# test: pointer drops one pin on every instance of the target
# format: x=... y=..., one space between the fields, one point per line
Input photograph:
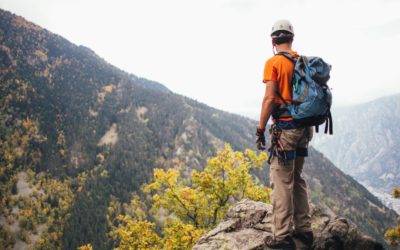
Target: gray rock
x=244 y=228
x=247 y=224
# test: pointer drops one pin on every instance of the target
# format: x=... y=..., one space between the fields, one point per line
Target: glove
x=260 y=138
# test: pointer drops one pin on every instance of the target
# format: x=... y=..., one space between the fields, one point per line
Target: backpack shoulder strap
x=293 y=60
x=281 y=97
x=288 y=56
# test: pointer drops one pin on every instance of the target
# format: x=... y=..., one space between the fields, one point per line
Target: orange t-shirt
x=280 y=70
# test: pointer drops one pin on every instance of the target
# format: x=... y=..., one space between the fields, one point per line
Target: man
x=289 y=143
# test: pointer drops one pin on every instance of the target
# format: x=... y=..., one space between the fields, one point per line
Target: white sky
x=214 y=50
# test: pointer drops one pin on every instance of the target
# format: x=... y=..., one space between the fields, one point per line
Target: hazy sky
x=214 y=50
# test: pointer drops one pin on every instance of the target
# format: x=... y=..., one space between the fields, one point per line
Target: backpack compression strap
x=328 y=124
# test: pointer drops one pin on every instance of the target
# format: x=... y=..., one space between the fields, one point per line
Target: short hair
x=282 y=36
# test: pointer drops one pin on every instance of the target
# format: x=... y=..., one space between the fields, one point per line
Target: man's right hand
x=260 y=138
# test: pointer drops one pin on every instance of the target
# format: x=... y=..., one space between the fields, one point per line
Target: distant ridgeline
x=367 y=149
x=78 y=138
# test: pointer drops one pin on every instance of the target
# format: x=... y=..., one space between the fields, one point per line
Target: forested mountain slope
x=78 y=136
x=366 y=141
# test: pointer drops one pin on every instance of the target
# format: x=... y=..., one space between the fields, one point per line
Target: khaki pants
x=289 y=190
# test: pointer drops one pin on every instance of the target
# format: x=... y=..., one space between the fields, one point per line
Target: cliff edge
x=247 y=224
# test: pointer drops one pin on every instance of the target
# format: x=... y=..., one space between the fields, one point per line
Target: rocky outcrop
x=247 y=224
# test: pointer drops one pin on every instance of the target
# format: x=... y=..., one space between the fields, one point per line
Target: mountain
x=365 y=142
x=79 y=137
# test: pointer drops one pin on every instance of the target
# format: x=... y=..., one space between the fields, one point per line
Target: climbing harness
x=276 y=148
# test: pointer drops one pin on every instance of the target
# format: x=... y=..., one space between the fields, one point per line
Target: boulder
x=247 y=224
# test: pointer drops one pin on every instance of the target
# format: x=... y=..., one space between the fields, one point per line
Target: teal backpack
x=311 y=96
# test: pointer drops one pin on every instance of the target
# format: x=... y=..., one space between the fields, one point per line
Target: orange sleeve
x=270 y=73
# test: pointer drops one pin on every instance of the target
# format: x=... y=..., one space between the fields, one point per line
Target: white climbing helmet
x=282 y=25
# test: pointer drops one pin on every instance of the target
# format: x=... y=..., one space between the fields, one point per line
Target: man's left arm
x=267 y=107
x=268 y=103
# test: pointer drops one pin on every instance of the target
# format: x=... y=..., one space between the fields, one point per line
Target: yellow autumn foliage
x=178 y=235
x=393 y=234
x=196 y=208
x=100 y=158
x=86 y=247
x=224 y=180
x=27 y=123
x=137 y=235
x=396 y=192
x=108 y=88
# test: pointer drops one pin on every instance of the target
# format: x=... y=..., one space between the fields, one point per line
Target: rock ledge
x=246 y=226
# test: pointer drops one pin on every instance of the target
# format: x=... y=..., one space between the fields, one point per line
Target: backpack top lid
x=314 y=67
